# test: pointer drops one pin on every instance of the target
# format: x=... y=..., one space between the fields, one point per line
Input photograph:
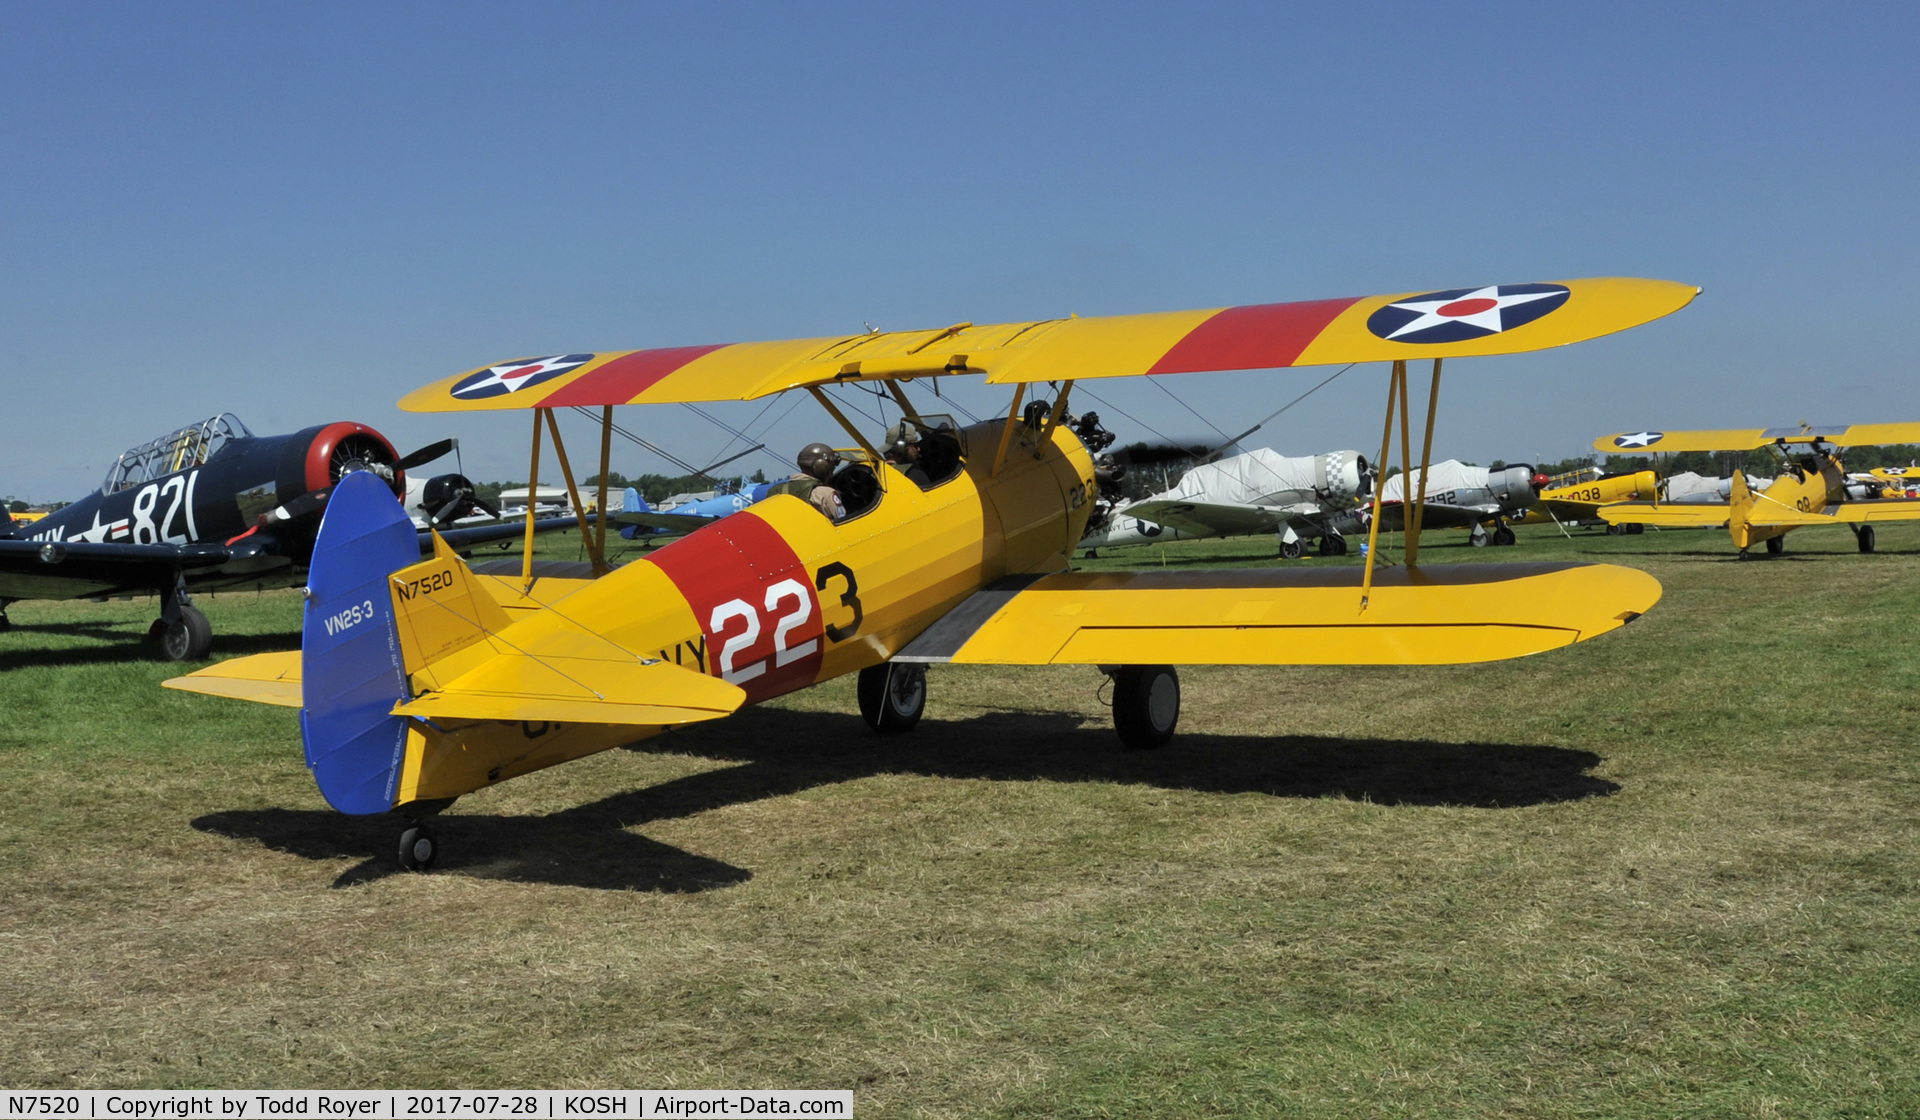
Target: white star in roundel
x=1478 y=308
x=509 y=377
x=1637 y=439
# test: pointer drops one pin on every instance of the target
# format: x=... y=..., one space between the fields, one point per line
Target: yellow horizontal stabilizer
x=1453 y=323
x=1746 y=439
x=515 y=686
x=1710 y=515
x=264 y=678
x=1446 y=614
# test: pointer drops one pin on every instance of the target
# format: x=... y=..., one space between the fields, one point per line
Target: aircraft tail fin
x=634 y=503
x=440 y=608
x=351 y=667
x=1739 y=501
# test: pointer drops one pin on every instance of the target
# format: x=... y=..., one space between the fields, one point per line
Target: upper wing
x=1746 y=439
x=1460 y=322
x=1445 y=614
x=1207 y=519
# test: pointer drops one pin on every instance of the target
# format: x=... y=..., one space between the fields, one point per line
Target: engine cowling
x=1513 y=486
x=1342 y=479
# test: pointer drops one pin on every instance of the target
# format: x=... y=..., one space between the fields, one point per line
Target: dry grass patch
x=1671 y=871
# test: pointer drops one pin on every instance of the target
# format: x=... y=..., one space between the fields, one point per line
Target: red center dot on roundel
x=516 y=374
x=1461 y=307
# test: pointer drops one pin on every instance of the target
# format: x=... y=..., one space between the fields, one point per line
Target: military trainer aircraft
x=1300 y=498
x=420 y=682
x=1575 y=498
x=639 y=520
x=207 y=507
x=1811 y=489
x=1462 y=497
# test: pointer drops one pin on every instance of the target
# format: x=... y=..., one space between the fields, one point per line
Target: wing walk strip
x=938 y=643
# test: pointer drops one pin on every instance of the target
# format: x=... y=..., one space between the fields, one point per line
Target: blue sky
x=297 y=213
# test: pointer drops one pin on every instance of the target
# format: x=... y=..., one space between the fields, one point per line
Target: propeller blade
x=427 y=454
x=446 y=513
x=487 y=507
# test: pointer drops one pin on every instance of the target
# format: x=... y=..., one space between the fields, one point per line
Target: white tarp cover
x=1447 y=474
x=1699 y=488
x=1244 y=479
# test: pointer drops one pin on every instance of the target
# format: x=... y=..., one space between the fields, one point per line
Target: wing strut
x=1394 y=385
x=533 y=487
x=1426 y=454
x=1006 y=433
x=606 y=453
x=835 y=412
x=573 y=492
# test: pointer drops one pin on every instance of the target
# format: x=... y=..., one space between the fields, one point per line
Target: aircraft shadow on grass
x=122 y=644
x=779 y=753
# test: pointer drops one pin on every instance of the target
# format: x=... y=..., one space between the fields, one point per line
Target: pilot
x=903 y=451
x=817 y=461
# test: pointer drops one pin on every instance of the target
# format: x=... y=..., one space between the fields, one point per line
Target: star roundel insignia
x=511 y=377
x=1638 y=439
x=1463 y=313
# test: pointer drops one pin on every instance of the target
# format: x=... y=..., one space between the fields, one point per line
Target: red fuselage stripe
x=625 y=378
x=1257 y=336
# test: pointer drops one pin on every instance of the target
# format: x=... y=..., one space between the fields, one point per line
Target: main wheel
x=1503 y=536
x=1291 y=550
x=1333 y=545
x=892 y=696
x=1146 y=705
x=189 y=639
x=1478 y=539
x=417 y=848
x=1776 y=545
x=1635 y=528
x=1614 y=529
x=1865 y=537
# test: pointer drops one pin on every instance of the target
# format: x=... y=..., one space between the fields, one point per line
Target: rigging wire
x=1161 y=385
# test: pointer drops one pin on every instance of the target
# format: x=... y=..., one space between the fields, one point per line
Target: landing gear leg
x=1290 y=546
x=183 y=632
x=893 y=696
x=1146 y=704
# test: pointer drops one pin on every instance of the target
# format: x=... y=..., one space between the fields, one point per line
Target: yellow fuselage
x=777 y=597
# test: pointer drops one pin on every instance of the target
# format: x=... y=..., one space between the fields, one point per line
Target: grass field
x=1670 y=872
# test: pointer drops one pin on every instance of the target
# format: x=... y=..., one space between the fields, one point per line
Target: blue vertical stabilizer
x=350 y=667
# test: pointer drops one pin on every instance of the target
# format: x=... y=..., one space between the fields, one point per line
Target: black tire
x=893 y=696
x=1479 y=540
x=1865 y=537
x=189 y=639
x=1614 y=529
x=1333 y=545
x=1776 y=545
x=1146 y=705
x=1634 y=529
x=418 y=848
x=6 y=623
x=1291 y=550
x=1503 y=536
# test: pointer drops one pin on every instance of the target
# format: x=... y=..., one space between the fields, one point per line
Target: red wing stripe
x=626 y=377
x=1257 y=336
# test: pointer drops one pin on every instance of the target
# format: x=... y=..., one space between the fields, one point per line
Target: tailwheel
x=1503 y=536
x=417 y=848
x=1865 y=536
x=1146 y=705
x=1291 y=550
x=190 y=638
x=892 y=696
x=1776 y=545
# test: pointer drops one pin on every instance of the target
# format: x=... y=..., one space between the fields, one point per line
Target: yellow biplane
x=1575 y=498
x=1811 y=488
x=422 y=681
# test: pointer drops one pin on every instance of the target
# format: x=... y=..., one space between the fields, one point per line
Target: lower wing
x=1434 y=515
x=1838 y=513
x=81 y=569
x=1669 y=514
x=1446 y=614
x=1209 y=519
